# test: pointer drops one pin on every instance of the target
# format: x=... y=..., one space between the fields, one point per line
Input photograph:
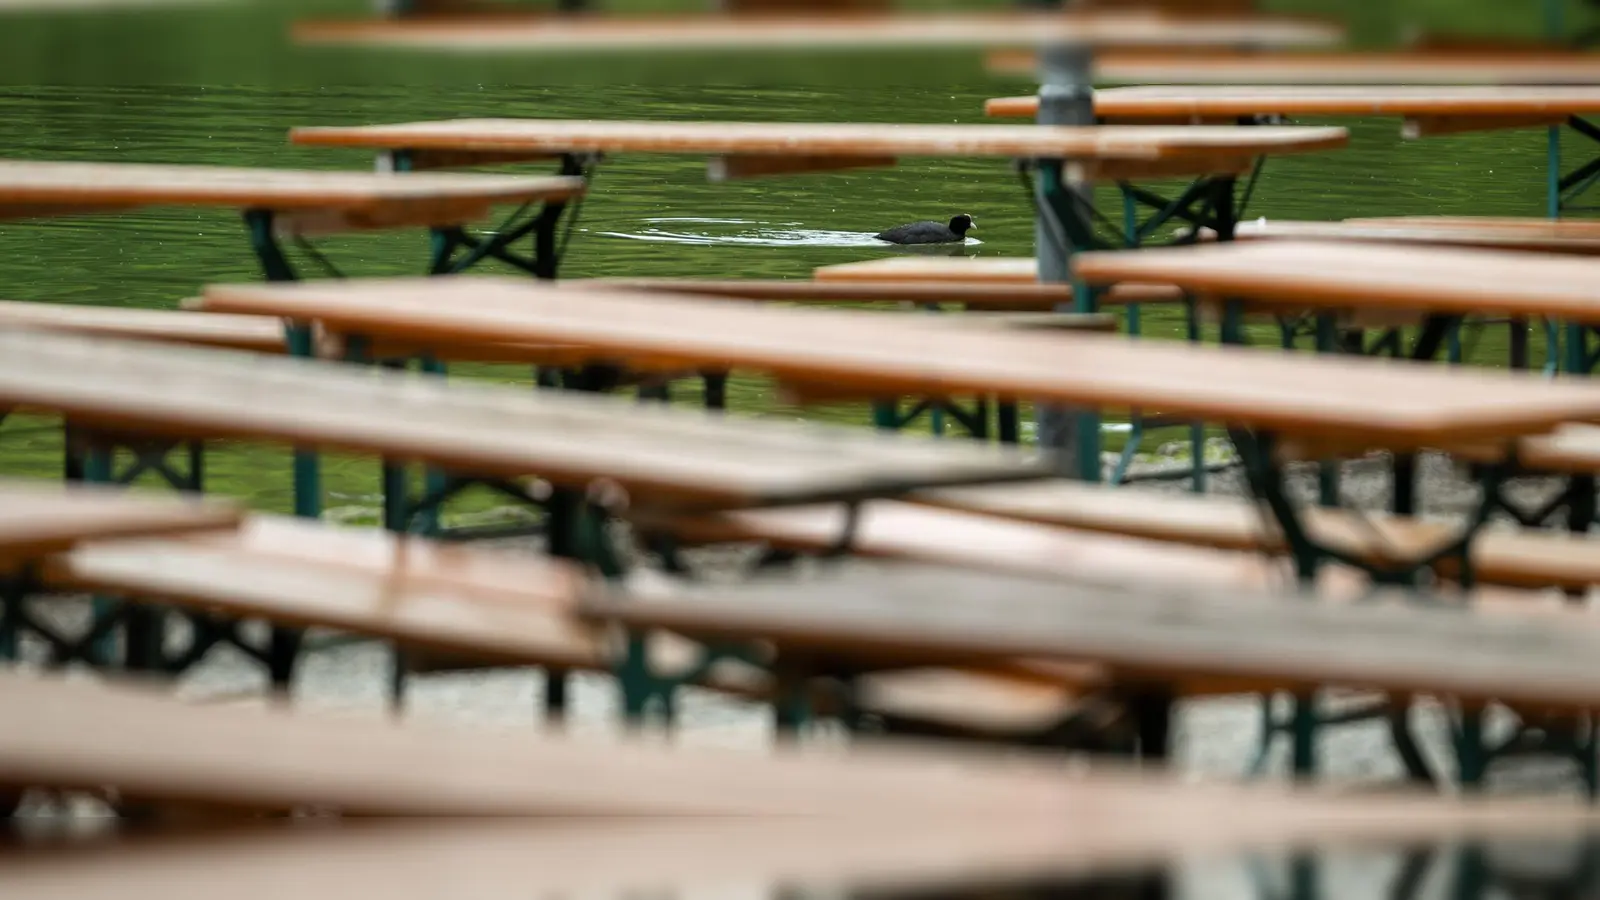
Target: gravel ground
x=1213 y=737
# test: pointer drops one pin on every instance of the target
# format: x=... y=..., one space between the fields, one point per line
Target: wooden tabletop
x=681 y=33
x=785 y=139
x=699 y=859
x=1558 y=236
x=1394 y=403
x=37 y=189
x=486 y=608
x=656 y=455
x=914 y=613
x=1350 y=275
x=1167 y=103
x=255 y=333
x=39 y=519
x=1371 y=68
x=149 y=745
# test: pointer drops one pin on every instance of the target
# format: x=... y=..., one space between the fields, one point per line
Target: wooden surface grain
x=1207 y=101
x=824 y=139
x=41 y=518
x=928 y=613
x=1408 y=67
x=30 y=189
x=1366 y=275
x=1393 y=403
x=653 y=455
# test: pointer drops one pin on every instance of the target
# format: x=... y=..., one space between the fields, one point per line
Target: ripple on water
x=750 y=233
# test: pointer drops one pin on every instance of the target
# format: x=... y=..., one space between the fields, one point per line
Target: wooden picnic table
x=1547 y=235
x=281 y=202
x=40 y=519
x=1326 y=397
x=654 y=455
x=1411 y=67
x=1124 y=849
x=861 y=30
x=1441 y=283
x=749 y=149
x=1427 y=110
x=152 y=747
x=1345 y=401
x=929 y=614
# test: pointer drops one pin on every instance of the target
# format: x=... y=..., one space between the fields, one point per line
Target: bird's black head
x=960 y=224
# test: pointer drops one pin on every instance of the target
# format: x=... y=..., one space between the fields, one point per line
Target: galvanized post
x=1066 y=97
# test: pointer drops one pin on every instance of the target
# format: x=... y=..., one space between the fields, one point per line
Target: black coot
x=929 y=232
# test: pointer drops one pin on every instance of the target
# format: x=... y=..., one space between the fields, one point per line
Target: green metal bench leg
x=1472 y=755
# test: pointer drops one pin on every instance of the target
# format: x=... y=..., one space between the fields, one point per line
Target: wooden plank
x=367 y=199
x=961 y=274
x=489 y=609
x=774 y=31
x=1318 y=68
x=1526 y=225
x=39 y=519
x=1401 y=405
x=1561 y=236
x=651 y=454
x=1349 y=275
x=1435 y=126
x=1519 y=558
x=829 y=139
x=1494 y=107
x=148 y=745
x=1133 y=826
x=901 y=611
x=1021 y=296
x=260 y=334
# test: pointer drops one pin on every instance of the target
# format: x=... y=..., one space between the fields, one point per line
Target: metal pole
x=1066 y=97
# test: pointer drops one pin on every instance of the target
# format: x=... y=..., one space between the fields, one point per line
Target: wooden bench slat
x=1532 y=559
x=654 y=454
x=29 y=181
x=1350 y=275
x=1501 y=234
x=1317 y=68
x=835 y=139
x=37 y=519
x=901 y=611
x=964 y=274
x=774 y=31
x=1400 y=405
x=1495 y=107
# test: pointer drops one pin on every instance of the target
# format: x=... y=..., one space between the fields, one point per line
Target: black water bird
x=929 y=232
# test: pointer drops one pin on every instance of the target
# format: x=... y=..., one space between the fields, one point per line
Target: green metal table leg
x=1472 y=756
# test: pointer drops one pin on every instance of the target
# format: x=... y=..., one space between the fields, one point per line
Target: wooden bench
x=1426 y=110
x=1542 y=235
x=931 y=614
x=693 y=821
x=305 y=202
x=774 y=30
x=257 y=334
x=1290 y=276
x=452 y=608
x=1319 y=68
x=38 y=519
x=757 y=149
